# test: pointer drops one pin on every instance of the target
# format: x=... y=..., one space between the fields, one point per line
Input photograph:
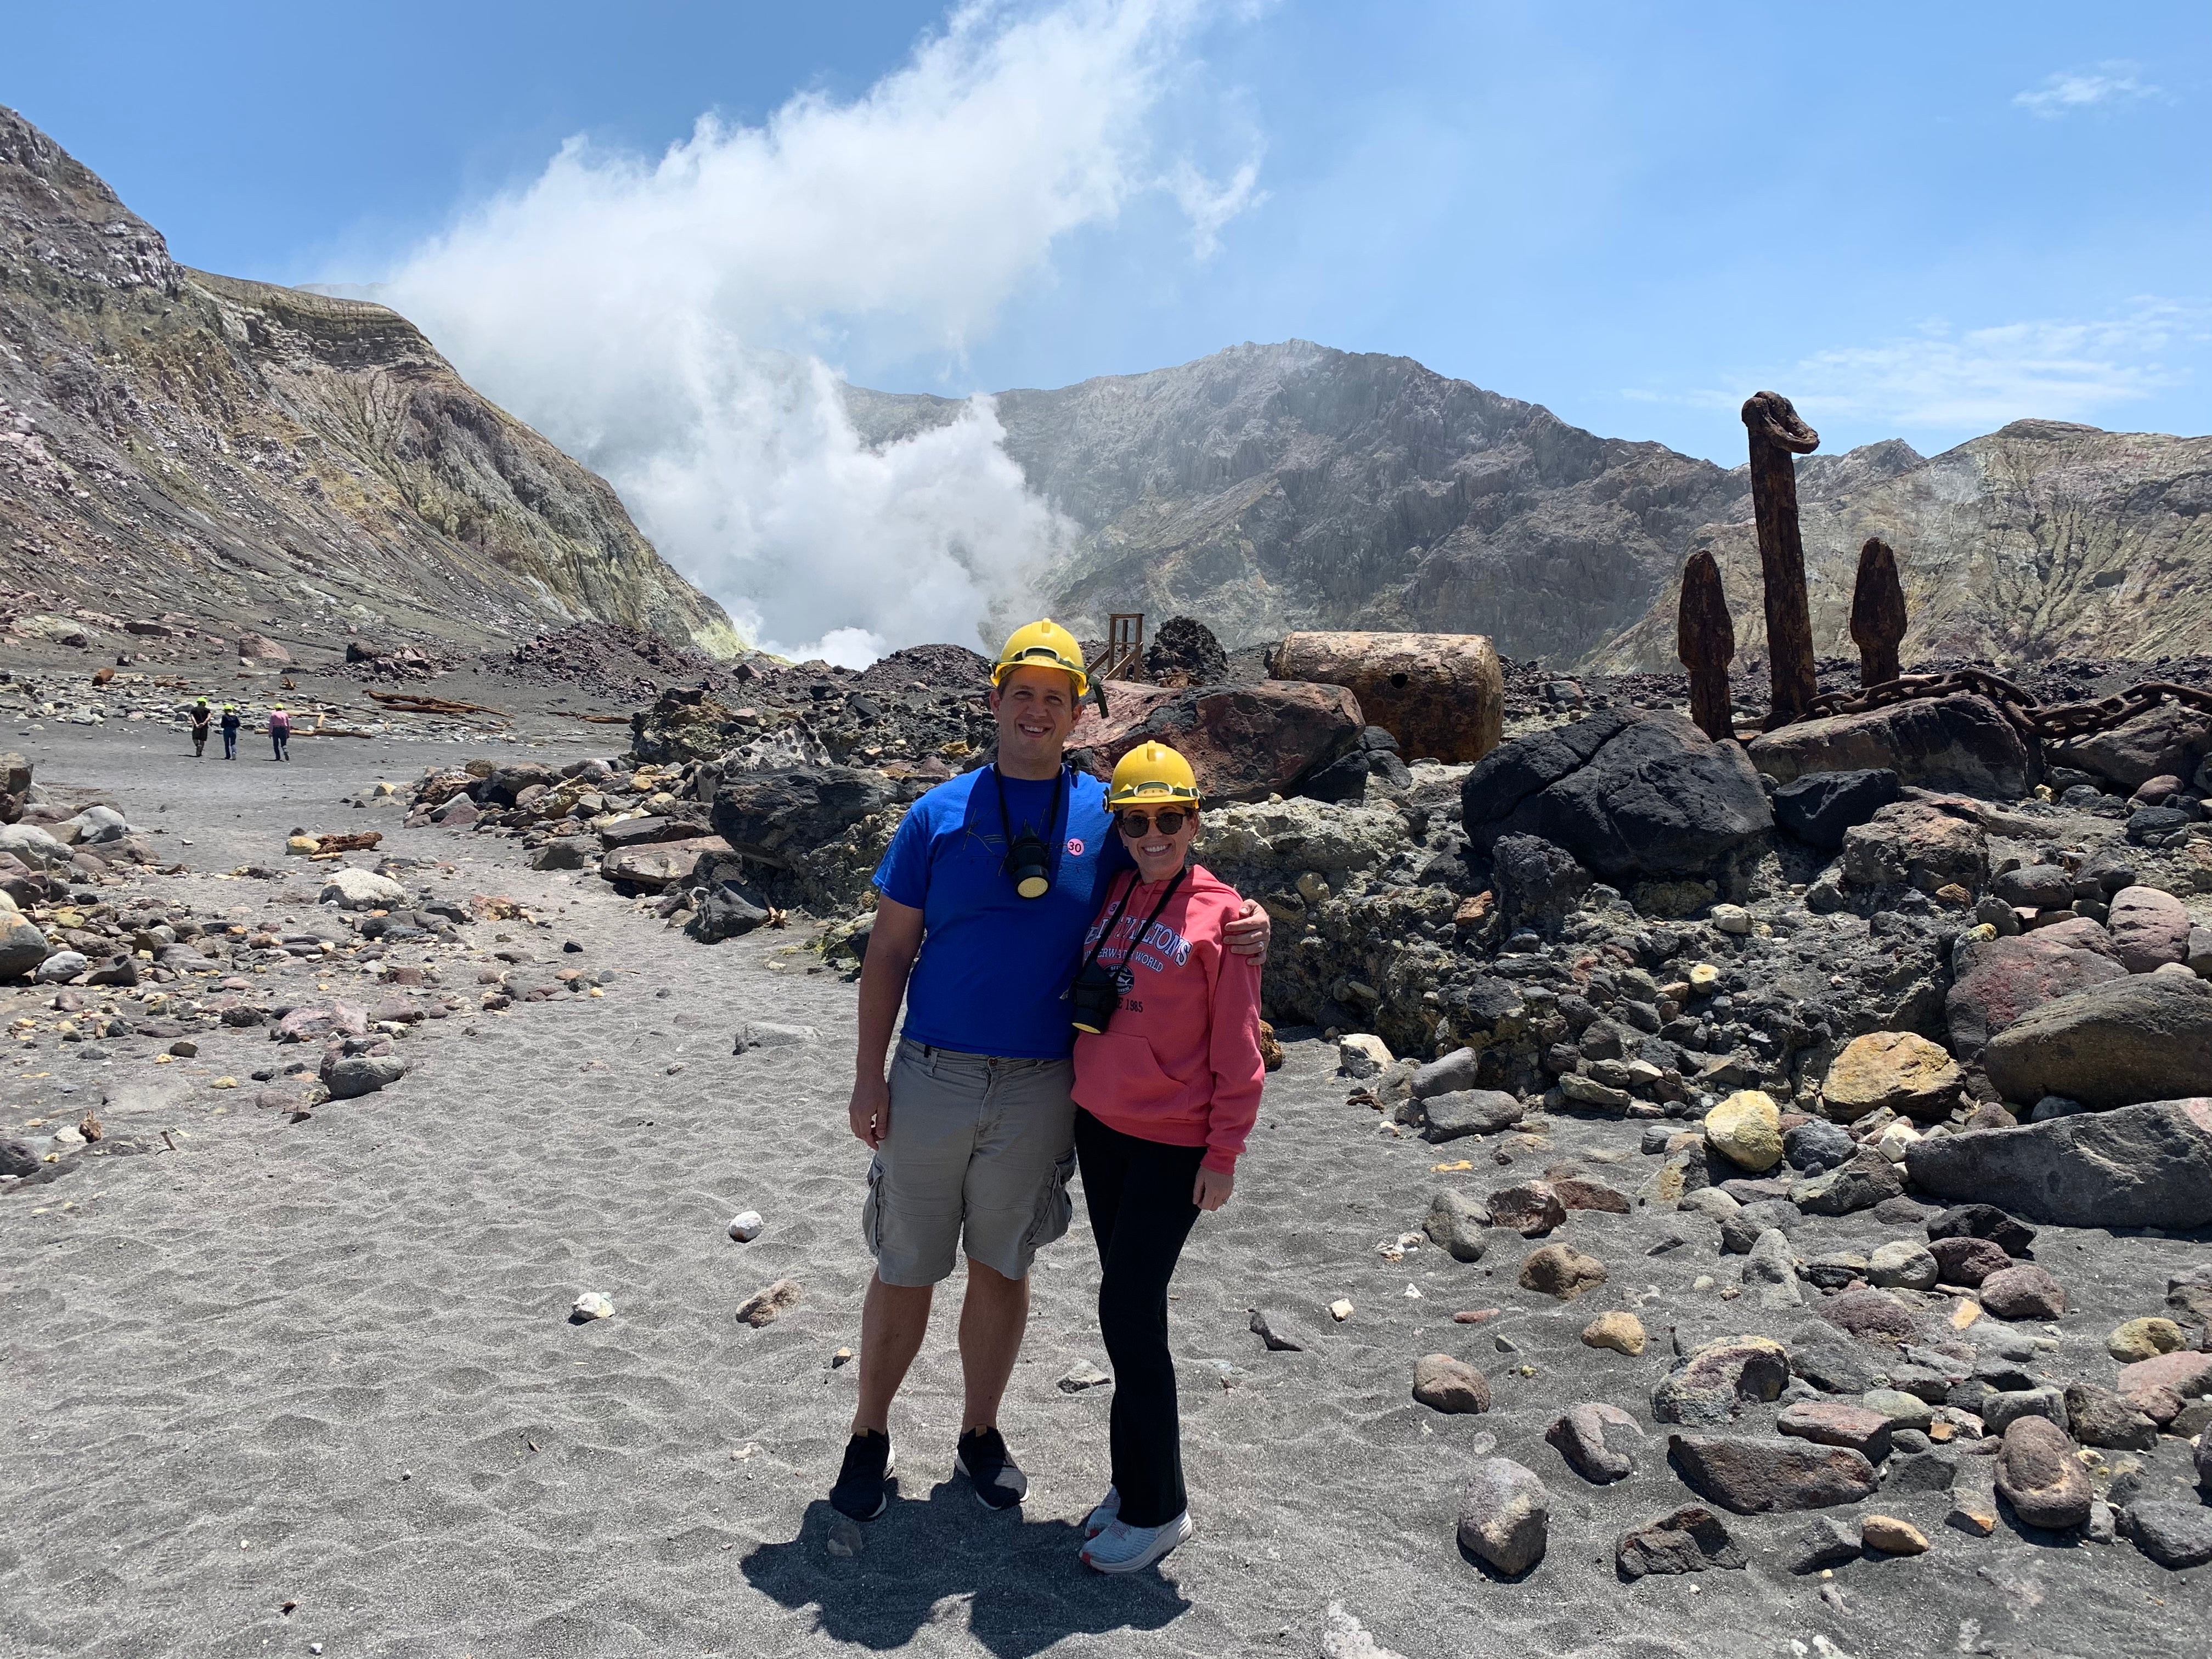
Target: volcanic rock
x=1926 y=844
x=2001 y=980
x=2038 y=1475
x=1447 y=1384
x=1455 y=1224
x=1960 y=742
x=1756 y=1474
x=1441 y=695
x=1690 y=1539
x=2149 y=928
x=778 y=816
x=1819 y=808
x=1245 y=743
x=2146 y=1038
x=1600 y=1442
x=1627 y=793
x=2147 y=1165
x=1715 y=1382
x=1899 y=1070
x=1561 y=1270
x=1504 y=1515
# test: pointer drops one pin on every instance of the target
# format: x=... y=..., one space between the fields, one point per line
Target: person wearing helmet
x=1167 y=1086
x=230 y=724
x=280 y=733
x=200 y=715
x=983 y=900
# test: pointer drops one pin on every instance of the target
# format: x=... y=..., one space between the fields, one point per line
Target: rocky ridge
x=240 y=457
x=1275 y=488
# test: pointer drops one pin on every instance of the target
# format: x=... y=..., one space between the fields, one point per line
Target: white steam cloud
x=666 y=322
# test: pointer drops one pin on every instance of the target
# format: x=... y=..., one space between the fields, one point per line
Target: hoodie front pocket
x=1118 y=1071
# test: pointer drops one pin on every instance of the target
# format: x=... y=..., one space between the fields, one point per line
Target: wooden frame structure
x=1123 y=658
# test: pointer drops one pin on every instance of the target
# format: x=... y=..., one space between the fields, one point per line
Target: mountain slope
x=172 y=440
x=1272 y=487
x=2041 y=539
x=1268 y=488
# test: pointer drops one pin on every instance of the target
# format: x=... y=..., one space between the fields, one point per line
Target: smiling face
x=1158 y=855
x=1036 y=711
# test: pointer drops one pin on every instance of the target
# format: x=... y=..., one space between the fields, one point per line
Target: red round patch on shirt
x=1075 y=847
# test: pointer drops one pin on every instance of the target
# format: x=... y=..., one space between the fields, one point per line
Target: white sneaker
x=1108 y=1512
x=1123 y=1548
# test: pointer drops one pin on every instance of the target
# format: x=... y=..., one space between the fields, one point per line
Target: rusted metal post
x=1776 y=434
x=1704 y=639
x=1877 y=612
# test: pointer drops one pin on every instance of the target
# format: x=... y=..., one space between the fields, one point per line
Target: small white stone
x=1340 y=1309
x=593 y=1305
x=1731 y=917
x=747 y=1226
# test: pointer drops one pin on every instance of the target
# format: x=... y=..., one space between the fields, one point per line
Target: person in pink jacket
x=1167 y=1086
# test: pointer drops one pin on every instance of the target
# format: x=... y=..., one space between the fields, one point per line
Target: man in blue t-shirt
x=982 y=901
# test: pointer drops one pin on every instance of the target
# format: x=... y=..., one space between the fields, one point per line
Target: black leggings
x=1138 y=1193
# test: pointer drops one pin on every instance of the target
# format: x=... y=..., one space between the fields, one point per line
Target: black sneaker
x=860 y=1489
x=982 y=1457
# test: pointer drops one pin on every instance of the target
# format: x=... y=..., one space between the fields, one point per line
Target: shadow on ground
x=1023 y=1586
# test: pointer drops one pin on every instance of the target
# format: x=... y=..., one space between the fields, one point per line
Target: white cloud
x=667 y=321
x=2118 y=82
x=1944 y=379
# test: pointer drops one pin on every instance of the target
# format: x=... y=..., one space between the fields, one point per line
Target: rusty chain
x=2030 y=717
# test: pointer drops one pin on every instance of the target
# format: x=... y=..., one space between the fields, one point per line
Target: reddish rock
x=2023 y=1290
x=1245 y=743
x=1529 y=1209
x=1833 y=1423
x=1561 y=1270
x=2149 y=928
x=2187 y=1374
x=2040 y=1476
x=1967 y=1261
x=1577 y=1193
x=1756 y=1476
x=1443 y=1383
x=1442 y=696
x=2003 y=979
x=1872 y=1316
x=1715 y=1382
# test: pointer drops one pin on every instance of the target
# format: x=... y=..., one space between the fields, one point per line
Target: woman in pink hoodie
x=1167 y=1086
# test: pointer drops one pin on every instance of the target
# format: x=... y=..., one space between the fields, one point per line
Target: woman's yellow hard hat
x=1151 y=772
x=1042 y=645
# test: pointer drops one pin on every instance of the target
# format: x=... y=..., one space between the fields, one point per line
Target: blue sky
x=1628 y=213
x=1918 y=221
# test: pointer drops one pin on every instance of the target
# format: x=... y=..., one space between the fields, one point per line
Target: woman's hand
x=1212 y=1188
x=1248 y=935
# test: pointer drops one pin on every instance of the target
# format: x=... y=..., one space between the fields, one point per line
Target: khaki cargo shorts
x=979 y=1155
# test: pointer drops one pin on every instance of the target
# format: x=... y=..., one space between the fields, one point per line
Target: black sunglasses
x=1133 y=823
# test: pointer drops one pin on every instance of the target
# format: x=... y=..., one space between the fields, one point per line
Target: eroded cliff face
x=172 y=440
x=1269 y=488
x=2041 y=539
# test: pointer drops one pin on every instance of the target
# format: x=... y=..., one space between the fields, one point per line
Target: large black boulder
x=779 y=817
x=1628 y=793
x=1819 y=806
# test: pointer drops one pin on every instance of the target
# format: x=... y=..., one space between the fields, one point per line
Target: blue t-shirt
x=994 y=968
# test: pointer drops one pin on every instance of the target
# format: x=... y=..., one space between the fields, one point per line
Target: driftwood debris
x=1706 y=640
x=1777 y=435
x=604 y=719
x=1877 y=612
x=409 y=702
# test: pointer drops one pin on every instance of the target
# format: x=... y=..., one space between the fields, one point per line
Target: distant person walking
x=230 y=731
x=201 y=714
x=1167 y=1086
x=280 y=733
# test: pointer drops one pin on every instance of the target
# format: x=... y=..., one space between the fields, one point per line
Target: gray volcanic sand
x=329 y=1363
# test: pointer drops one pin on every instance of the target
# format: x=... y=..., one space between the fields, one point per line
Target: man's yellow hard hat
x=1042 y=645
x=1151 y=772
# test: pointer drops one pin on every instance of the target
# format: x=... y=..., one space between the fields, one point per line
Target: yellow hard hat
x=1042 y=645
x=1151 y=772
